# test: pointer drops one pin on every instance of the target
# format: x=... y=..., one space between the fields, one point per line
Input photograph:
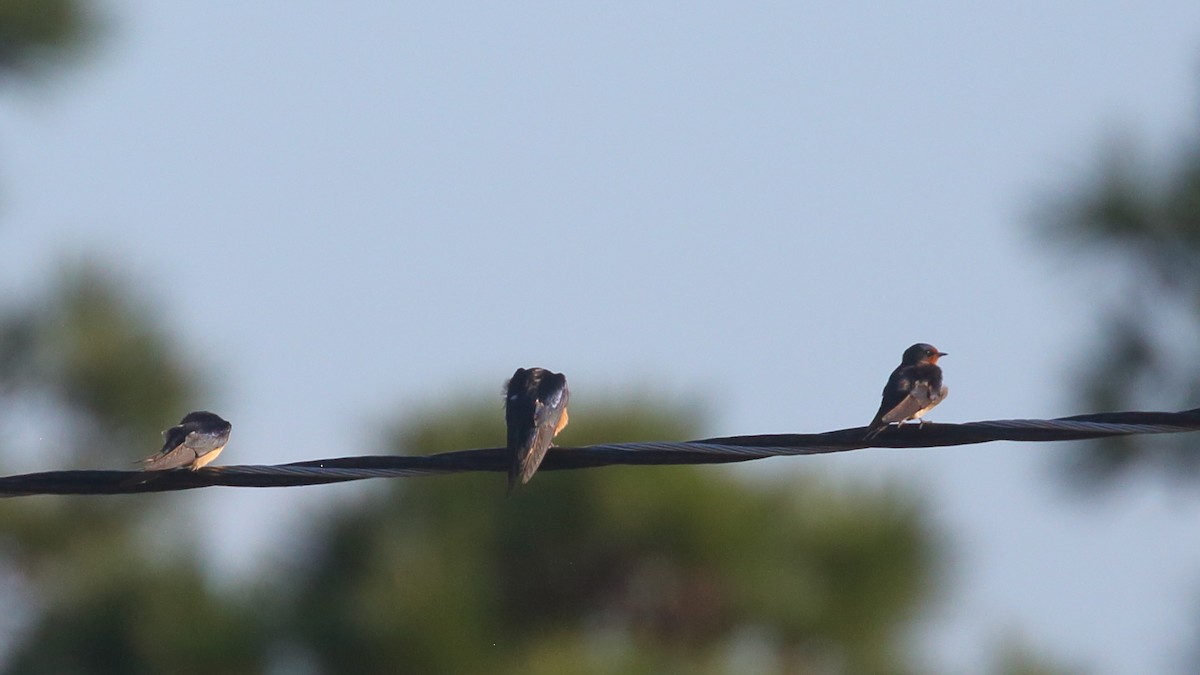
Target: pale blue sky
x=756 y=207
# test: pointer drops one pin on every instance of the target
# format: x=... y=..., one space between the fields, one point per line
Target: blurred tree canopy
x=1140 y=222
x=667 y=570
x=37 y=33
x=1138 y=219
x=84 y=592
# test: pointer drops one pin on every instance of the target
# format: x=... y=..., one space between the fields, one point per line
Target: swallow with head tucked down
x=193 y=443
x=914 y=388
x=535 y=409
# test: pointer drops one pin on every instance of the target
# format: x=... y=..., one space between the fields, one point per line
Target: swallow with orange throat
x=193 y=443
x=914 y=388
x=535 y=409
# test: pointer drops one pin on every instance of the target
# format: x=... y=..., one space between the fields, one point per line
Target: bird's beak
x=941 y=354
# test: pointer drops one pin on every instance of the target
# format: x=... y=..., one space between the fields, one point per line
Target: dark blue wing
x=197 y=436
x=535 y=410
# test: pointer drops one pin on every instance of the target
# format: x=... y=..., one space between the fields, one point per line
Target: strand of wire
x=706 y=451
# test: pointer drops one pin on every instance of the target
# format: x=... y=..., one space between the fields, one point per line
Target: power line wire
x=706 y=451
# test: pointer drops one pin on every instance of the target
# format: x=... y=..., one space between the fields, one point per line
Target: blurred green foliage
x=105 y=361
x=1138 y=220
x=36 y=33
x=124 y=614
x=1140 y=223
x=617 y=570
x=83 y=581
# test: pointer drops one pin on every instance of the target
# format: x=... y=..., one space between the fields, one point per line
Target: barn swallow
x=535 y=409
x=913 y=389
x=194 y=442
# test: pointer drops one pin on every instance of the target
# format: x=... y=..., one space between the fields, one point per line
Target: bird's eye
x=928 y=352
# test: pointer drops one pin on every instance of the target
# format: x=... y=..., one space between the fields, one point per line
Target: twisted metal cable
x=707 y=451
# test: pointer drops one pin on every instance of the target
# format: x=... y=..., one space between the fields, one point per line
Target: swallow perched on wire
x=194 y=442
x=914 y=388
x=535 y=409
